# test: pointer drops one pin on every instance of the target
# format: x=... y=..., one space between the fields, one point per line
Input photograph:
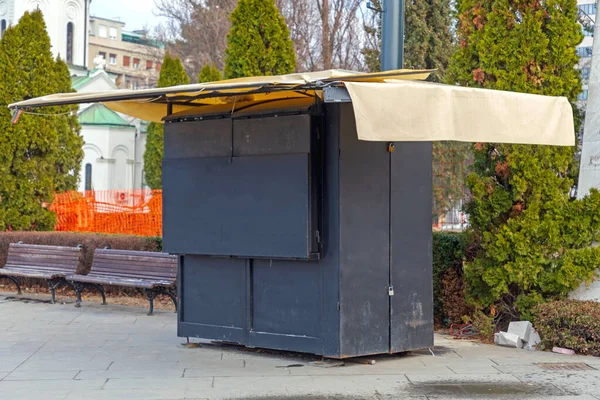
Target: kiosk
x=300 y=205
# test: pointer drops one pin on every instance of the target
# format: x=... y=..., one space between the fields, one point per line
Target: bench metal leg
x=52 y=285
x=14 y=280
x=172 y=295
x=79 y=286
x=150 y=294
x=100 y=288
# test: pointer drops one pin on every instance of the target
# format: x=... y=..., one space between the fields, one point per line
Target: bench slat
x=41 y=261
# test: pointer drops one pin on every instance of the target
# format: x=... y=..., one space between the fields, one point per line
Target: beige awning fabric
x=151 y=104
x=422 y=111
x=391 y=106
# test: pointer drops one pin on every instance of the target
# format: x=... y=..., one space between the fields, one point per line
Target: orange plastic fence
x=131 y=212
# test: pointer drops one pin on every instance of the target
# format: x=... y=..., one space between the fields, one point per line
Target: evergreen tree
x=209 y=73
x=259 y=41
x=428 y=42
x=39 y=154
x=172 y=73
x=530 y=241
x=70 y=142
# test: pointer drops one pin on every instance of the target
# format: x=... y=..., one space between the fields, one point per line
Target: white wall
x=109 y=150
x=57 y=13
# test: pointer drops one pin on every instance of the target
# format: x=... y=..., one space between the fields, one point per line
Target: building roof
x=138 y=37
x=107 y=19
x=79 y=81
x=99 y=114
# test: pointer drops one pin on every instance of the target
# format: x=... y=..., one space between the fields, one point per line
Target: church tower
x=66 y=21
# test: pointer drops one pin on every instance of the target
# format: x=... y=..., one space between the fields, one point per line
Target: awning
x=389 y=106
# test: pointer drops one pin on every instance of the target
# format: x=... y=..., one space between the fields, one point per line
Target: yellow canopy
x=388 y=106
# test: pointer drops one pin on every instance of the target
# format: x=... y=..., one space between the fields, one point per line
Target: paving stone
x=132 y=373
x=51 y=385
x=40 y=375
x=58 y=365
x=137 y=394
x=158 y=383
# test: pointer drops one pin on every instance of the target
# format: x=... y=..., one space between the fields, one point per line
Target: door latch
x=391 y=290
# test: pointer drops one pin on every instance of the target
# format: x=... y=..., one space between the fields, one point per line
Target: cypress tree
x=259 y=41
x=428 y=42
x=172 y=73
x=40 y=154
x=530 y=241
x=209 y=73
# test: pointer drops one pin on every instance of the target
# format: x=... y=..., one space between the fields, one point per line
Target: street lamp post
x=392 y=49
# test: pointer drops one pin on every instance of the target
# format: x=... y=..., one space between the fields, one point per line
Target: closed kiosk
x=295 y=235
x=300 y=205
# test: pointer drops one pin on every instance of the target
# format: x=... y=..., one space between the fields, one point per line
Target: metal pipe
x=392 y=47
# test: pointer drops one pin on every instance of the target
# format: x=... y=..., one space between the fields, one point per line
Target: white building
x=66 y=21
x=114 y=143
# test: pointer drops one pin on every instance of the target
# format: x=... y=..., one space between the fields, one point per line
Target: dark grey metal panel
x=212 y=298
x=286 y=305
x=364 y=241
x=330 y=267
x=246 y=207
x=209 y=138
x=412 y=303
x=287 y=134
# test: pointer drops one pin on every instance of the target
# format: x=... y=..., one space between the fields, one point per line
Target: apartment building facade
x=131 y=57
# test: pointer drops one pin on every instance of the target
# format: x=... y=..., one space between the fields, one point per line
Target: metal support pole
x=392 y=47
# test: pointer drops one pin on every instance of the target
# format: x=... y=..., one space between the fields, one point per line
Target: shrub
x=448 y=284
x=89 y=241
x=571 y=324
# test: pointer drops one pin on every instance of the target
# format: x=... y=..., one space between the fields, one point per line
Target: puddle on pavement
x=483 y=390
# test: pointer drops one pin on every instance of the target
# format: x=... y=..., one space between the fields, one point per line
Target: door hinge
x=318 y=236
x=338 y=306
x=391 y=290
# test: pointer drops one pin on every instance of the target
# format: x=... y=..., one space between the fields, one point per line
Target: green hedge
x=448 y=254
x=89 y=241
x=571 y=324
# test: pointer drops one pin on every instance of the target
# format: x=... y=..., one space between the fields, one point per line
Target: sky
x=135 y=13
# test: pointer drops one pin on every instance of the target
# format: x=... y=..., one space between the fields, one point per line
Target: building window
x=112 y=33
x=585 y=73
x=149 y=64
x=588 y=30
x=126 y=61
x=102 y=31
x=3 y=28
x=69 y=43
x=136 y=63
x=584 y=51
x=88 y=177
x=583 y=95
x=589 y=9
x=158 y=66
x=102 y=54
x=112 y=59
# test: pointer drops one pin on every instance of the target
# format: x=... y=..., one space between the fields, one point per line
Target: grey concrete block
x=508 y=340
x=534 y=340
x=520 y=328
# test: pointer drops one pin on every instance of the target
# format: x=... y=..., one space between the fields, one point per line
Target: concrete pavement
x=59 y=352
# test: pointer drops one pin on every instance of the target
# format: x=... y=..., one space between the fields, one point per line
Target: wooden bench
x=154 y=273
x=52 y=263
